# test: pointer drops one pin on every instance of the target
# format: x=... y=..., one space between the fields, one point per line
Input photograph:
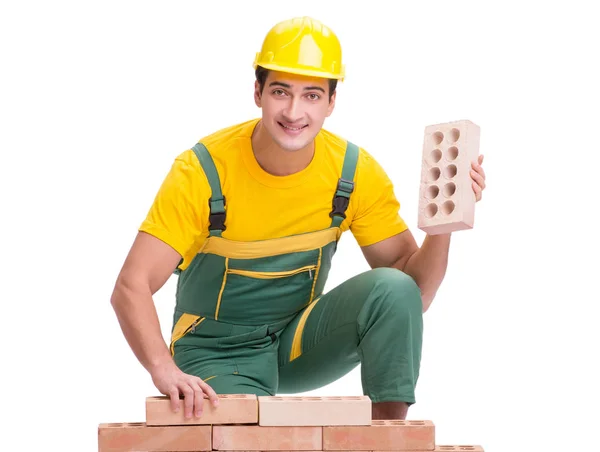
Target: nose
x=292 y=112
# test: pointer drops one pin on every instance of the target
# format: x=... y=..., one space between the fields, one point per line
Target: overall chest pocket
x=267 y=293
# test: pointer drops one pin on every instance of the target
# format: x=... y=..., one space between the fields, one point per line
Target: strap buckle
x=345 y=185
x=216 y=219
x=340 y=204
x=341 y=201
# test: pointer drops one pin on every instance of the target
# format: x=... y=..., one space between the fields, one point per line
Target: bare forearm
x=140 y=325
x=427 y=266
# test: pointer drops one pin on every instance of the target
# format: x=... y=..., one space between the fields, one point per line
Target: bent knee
x=398 y=289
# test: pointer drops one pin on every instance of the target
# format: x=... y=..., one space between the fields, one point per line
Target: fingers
x=188 y=402
x=193 y=390
x=477 y=190
x=175 y=402
x=478 y=178
x=212 y=395
x=478 y=167
x=198 y=398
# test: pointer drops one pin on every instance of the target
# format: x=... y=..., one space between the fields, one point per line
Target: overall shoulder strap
x=345 y=186
x=217 y=200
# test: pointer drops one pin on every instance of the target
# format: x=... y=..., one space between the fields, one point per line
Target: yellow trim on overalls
x=185 y=323
x=222 y=288
x=271 y=275
x=312 y=291
x=297 y=342
x=283 y=245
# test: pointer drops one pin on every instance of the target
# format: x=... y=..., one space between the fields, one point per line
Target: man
x=250 y=218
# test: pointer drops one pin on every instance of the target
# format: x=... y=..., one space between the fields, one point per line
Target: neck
x=275 y=160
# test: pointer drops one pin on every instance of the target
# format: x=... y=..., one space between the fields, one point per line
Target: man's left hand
x=478 y=177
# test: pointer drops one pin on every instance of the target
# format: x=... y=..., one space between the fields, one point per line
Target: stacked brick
x=244 y=422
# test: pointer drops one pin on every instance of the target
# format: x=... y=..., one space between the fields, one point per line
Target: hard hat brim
x=300 y=71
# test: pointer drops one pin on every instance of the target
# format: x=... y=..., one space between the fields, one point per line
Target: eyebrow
x=286 y=85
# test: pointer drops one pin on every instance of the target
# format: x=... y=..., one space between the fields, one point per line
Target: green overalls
x=251 y=317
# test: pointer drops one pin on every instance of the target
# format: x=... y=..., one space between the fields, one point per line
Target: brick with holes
x=462 y=448
x=314 y=411
x=137 y=436
x=446 y=196
x=232 y=409
x=381 y=436
x=259 y=438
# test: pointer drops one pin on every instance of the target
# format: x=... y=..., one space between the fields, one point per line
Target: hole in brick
x=354 y=398
x=447 y=448
x=448 y=207
x=434 y=174
x=452 y=153
x=417 y=422
x=432 y=192
x=277 y=398
x=397 y=423
x=450 y=171
x=335 y=398
x=377 y=422
x=313 y=398
x=133 y=424
x=454 y=135
x=431 y=210
x=466 y=448
x=438 y=137
x=449 y=189
x=115 y=424
x=435 y=156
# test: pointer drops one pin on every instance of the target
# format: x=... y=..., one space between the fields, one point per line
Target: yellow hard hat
x=302 y=46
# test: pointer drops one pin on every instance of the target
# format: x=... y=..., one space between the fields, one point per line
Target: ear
x=331 y=104
x=257 y=97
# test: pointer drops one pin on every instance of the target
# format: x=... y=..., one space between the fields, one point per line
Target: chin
x=290 y=143
x=294 y=146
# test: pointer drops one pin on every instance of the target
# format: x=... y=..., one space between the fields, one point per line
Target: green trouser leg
x=232 y=359
x=374 y=319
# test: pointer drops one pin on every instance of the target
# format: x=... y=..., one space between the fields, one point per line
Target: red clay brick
x=458 y=448
x=314 y=411
x=232 y=409
x=137 y=436
x=257 y=438
x=381 y=436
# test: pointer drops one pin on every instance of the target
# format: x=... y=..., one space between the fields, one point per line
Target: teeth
x=291 y=128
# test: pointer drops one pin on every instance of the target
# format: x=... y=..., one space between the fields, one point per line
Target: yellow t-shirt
x=262 y=206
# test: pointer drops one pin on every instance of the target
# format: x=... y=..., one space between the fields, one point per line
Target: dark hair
x=261 y=76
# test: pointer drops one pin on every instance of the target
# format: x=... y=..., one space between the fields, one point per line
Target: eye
x=314 y=96
x=278 y=92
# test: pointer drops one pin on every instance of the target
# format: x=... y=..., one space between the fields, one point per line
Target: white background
x=97 y=98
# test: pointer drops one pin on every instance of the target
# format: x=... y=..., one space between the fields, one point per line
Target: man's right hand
x=172 y=382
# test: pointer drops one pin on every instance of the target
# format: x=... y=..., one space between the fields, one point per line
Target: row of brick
x=266 y=411
x=415 y=436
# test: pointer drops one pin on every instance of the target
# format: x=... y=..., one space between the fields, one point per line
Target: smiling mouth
x=295 y=129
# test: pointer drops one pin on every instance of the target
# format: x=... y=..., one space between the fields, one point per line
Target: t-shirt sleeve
x=180 y=209
x=377 y=212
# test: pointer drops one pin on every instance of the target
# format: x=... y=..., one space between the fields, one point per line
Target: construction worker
x=249 y=219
